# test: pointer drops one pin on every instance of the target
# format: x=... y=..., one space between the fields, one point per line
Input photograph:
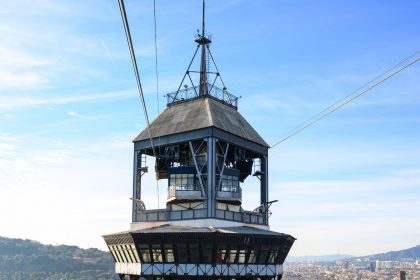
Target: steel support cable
x=136 y=70
x=368 y=83
x=156 y=57
x=215 y=65
x=355 y=91
x=344 y=101
x=157 y=85
x=374 y=117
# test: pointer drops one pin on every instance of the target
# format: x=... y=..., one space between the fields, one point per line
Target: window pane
x=207 y=253
x=145 y=254
x=191 y=181
x=221 y=253
x=194 y=253
x=182 y=253
x=232 y=256
x=157 y=253
x=241 y=256
x=262 y=258
x=129 y=253
x=136 y=256
x=123 y=254
x=252 y=257
x=116 y=256
x=169 y=253
x=272 y=257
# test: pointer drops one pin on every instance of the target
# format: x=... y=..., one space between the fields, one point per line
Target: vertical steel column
x=136 y=183
x=264 y=185
x=211 y=175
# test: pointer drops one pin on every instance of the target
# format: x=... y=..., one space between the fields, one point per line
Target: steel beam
x=211 y=175
x=185 y=137
x=194 y=156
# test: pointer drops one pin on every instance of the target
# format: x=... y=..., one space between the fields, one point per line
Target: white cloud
x=19 y=102
x=22 y=80
x=328 y=214
x=60 y=194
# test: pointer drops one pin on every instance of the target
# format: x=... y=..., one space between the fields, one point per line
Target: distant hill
x=410 y=253
x=322 y=258
x=26 y=259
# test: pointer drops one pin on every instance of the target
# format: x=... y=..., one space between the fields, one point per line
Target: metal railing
x=157 y=215
x=192 y=93
x=243 y=217
x=184 y=192
x=232 y=193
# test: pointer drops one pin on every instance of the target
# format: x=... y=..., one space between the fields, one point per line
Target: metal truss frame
x=181 y=271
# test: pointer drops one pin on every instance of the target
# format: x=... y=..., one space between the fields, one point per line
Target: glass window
x=157 y=253
x=273 y=256
x=229 y=184
x=119 y=253
x=169 y=253
x=262 y=258
x=182 y=253
x=136 y=256
x=183 y=182
x=123 y=254
x=194 y=253
x=128 y=254
x=128 y=251
x=221 y=253
x=116 y=257
x=144 y=252
x=232 y=256
x=241 y=256
x=207 y=250
x=252 y=257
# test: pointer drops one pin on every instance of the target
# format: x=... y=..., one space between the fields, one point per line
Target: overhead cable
x=136 y=70
x=157 y=84
x=349 y=98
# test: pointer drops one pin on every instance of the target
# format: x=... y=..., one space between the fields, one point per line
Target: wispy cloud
x=108 y=53
x=19 y=102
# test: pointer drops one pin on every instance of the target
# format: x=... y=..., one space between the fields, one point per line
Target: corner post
x=264 y=186
x=136 y=183
x=211 y=175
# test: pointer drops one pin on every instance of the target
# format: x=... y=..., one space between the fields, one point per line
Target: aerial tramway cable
x=136 y=70
x=157 y=86
x=349 y=98
x=156 y=57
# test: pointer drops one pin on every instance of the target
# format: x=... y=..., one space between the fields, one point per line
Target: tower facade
x=205 y=149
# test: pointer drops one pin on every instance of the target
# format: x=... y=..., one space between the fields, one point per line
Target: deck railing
x=229 y=194
x=157 y=215
x=183 y=192
x=189 y=93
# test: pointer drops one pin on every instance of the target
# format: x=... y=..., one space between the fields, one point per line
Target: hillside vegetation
x=27 y=259
x=410 y=253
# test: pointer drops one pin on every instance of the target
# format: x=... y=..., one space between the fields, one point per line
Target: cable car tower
x=205 y=149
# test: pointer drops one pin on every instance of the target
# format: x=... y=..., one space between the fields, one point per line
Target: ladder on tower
x=143 y=165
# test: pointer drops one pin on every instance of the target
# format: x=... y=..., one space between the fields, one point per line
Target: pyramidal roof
x=198 y=114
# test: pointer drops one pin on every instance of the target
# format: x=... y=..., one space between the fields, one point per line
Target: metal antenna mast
x=203 y=41
x=205 y=87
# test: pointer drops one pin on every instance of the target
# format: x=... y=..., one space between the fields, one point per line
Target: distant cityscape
x=354 y=269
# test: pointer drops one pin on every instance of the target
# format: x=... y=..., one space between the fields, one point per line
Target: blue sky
x=69 y=110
